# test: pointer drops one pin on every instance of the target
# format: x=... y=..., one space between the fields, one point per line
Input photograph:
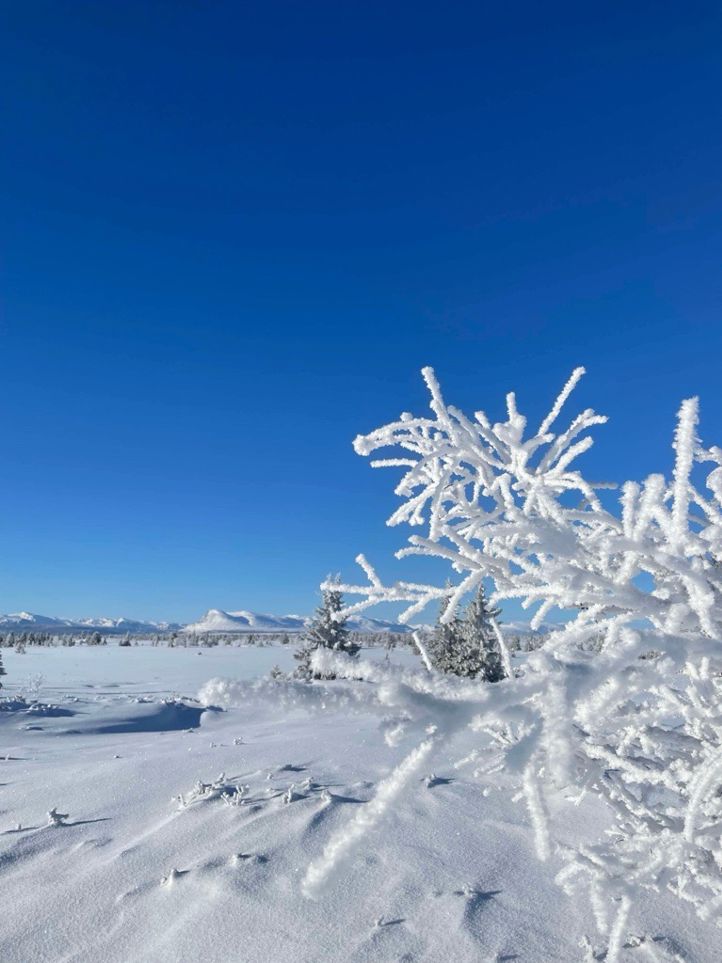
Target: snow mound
x=167 y=715
x=13 y=706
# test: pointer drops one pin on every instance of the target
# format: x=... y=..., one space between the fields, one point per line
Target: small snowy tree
x=467 y=646
x=481 y=657
x=2 y=669
x=446 y=646
x=328 y=630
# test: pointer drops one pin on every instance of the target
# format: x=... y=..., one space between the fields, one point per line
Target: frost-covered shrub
x=219 y=788
x=33 y=686
x=625 y=698
x=55 y=818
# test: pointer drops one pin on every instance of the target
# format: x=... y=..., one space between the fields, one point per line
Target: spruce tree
x=467 y=646
x=481 y=655
x=325 y=632
x=447 y=641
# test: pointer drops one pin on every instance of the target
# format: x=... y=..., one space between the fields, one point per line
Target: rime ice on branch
x=484 y=494
x=625 y=698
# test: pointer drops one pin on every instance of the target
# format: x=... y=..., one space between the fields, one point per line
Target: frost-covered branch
x=625 y=698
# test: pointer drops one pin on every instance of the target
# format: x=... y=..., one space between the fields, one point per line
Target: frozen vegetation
x=622 y=702
x=451 y=794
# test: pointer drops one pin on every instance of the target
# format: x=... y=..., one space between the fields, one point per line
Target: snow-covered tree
x=480 y=654
x=625 y=698
x=466 y=645
x=445 y=646
x=327 y=631
x=2 y=669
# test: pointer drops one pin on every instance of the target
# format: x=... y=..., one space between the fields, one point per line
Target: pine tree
x=325 y=632
x=467 y=646
x=2 y=669
x=446 y=643
x=481 y=656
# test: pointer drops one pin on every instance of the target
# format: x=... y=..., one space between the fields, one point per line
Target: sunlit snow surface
x=189 y=831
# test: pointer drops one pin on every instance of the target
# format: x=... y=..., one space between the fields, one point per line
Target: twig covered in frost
x=366 y=817
x=55 y=818
x=616 y=937
x=416 y=636
x=206 y=791
x=537 y=812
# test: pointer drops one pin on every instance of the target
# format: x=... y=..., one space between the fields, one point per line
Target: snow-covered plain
x=149 y=865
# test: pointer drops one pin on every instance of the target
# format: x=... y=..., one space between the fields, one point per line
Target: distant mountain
x=127 y=625
x=523 y=628
x=27 y=620
x=30 y=622
x=216 y=620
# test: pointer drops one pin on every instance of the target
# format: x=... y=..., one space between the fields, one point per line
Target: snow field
x=193 y=835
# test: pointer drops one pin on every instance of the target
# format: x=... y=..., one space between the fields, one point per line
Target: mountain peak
x=241 y=620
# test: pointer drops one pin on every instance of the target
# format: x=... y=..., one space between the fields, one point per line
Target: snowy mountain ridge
x=30 y=621
x=216 y=620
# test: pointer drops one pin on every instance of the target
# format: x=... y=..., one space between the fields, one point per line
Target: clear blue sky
x=232 y=233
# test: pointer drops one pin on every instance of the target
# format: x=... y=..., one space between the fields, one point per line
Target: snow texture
x=180 y=844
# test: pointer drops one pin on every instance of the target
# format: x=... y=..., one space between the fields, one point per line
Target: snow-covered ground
x=150 y=866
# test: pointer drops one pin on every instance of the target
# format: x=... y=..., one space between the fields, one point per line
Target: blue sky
x=233 y=233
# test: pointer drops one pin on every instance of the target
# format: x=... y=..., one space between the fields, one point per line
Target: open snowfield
x=145 y=867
